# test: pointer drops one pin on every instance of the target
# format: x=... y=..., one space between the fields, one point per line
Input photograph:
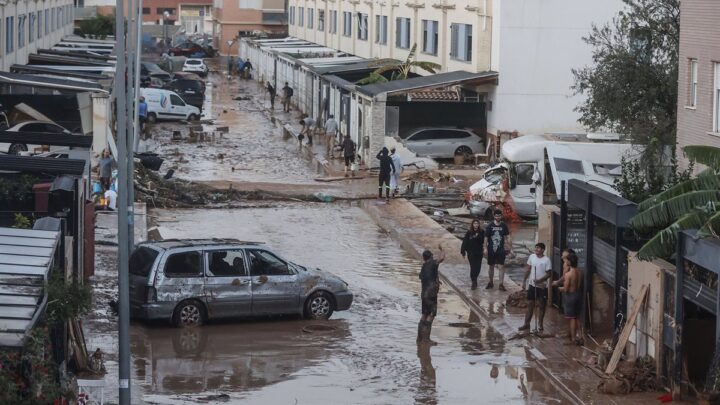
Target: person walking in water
x=498 y=242
x=472 y=246
x=539 y=270
x=395 y=178
x=348 y=148
x=272 y=92
x=287 y=97
x=331 y=128
x=386 y=169
x=231 y=64
x=572 y=297
x=430 y=286
x=308 y=127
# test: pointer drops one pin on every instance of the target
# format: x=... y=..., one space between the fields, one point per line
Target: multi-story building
x=26 y=26
x=698 y=114
x=193 y=15
x=233 y=19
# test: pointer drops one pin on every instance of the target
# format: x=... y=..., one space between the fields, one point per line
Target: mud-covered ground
x=370 y=358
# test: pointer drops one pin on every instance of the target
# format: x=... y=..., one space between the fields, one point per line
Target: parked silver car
x=190 y=281
x=443 y=142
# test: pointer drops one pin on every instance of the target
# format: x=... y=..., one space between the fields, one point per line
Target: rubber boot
x=426 y=328
x=420 y=332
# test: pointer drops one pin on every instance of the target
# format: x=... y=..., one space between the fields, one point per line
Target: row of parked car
x=174 y=96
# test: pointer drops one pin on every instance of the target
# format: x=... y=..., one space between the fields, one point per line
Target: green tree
x=631 y=86
x=691 y=204
x=398 y=70
x=99 y=26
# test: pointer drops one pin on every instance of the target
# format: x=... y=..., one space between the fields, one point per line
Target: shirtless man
x=572 y=296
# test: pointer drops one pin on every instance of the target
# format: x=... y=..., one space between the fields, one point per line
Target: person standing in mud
x=231 y=64
x=106 y=164
x=539 y=270
x=395 y=178
x=308 y=127
x=272 y=92
x=386 y=170
x=572 y=297
x=348 y=147
x=331 y=128
x=472 y=246
x=430 y=286
x=497 y=234
x=287 y=97
x=247 y=67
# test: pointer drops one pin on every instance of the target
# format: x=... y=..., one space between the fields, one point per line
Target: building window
x=362 y=29
x=381 y=22
x=716 y=98
x=321 y=20
x=39 y=24
x=48 y=19
x=301 y=16
x=146 y=10
x=347 y=23
x=21 y=31
x=402 y=32
x=311 y=17
x=461 y=42
x=61 y=20
x=430 y=37
x=31 y=31
x=161 y=10
x=9 y=34
x=291 y=15
x=333 y=21
x=692 y=101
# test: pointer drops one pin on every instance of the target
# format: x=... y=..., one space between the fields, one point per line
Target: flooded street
x=369 y=357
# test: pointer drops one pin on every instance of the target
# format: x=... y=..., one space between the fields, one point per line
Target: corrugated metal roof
x=344 y=67
x=24 y=267
x=49 y=82
x=66 y=60
x=32 y=69
x=436 y=80
x=46 y=138
x=75 y=54
x=34 y=164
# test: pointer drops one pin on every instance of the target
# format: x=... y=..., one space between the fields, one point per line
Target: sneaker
x=489 y=286
x=524 y=327
x=501 y=287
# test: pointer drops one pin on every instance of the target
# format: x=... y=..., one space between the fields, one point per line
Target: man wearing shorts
x=572 y=297
x=539 y=270
x=496 y=235
x=430 y=282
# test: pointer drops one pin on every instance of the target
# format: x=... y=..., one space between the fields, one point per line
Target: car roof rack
x=208 y=241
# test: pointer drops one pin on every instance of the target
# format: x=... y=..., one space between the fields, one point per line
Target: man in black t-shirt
x=498 y=243
x=430 y=281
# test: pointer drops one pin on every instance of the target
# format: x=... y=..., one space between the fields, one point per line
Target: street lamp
x=166 y=15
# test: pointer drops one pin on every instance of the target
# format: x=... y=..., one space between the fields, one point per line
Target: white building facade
x=29 y=25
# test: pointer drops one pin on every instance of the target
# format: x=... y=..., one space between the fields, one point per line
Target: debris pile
x=635 y=376
x=517 y=300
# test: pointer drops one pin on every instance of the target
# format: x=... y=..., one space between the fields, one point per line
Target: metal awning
x=34 y=164
x=48 y=82
x=26 y=257
x=430 y=81
x=34 y=69
x=75 y=54
x=46 y=138
x=605 y=205
x=65 y=60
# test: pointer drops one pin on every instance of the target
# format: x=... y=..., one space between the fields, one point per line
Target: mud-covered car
x=189 y=281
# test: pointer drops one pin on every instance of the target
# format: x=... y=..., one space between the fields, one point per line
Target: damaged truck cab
x=188 y=282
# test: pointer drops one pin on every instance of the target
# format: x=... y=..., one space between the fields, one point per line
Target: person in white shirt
x=331 y=129
x=395 y=176
x=110 y=199
x=539 y=270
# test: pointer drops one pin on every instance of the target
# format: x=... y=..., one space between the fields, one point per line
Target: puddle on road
x=253 y=150
x=369 y=357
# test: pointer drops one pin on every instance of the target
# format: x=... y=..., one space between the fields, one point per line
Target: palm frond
x=411 y=55
x=711 y=227
x=664 y=242
x=665 y=212
x=372 y=78
x=384 y=62
x=385 y=69
x=706 y=180
x=431 y=67
x=704 y=154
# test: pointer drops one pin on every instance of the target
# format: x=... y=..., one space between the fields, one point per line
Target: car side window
x=422 y=136
x=184 y=264
x=175 y=100
x=226 y=263
x=34 y=128
x=449 y=134
x=265 y=263
x=524 y=173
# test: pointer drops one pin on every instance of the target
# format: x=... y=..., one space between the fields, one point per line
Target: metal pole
x=138 y=52
x=123 y=290
x=131 y=107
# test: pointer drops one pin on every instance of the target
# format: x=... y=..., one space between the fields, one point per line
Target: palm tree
x=692 y=204
x=400 y=70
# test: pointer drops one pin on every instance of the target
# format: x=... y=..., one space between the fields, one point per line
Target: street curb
x=409 y=245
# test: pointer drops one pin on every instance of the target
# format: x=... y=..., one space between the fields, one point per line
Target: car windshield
x=193 y=62
x=151 y=66
x=188 y=84
x=493 y=176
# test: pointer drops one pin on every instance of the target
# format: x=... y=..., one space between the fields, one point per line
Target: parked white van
x=167 y=105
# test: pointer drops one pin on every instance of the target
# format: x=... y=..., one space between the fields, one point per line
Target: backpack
x=290 y=92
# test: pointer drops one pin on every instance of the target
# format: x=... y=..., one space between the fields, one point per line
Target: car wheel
x=16 y=148
x=192 y=117
x=464 y=150
x=319 y=305
x=189 y=314
x=189 y=342
x=152 y=118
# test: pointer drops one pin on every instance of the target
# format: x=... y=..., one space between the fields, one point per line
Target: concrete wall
x=62 y=27
x=700 y=40
x=646 y=336
x=535 y=46
x=545 y=226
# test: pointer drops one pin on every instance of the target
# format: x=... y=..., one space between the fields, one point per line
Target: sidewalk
x=558 y=363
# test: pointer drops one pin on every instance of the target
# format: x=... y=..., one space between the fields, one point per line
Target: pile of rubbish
x=632 y=376
x=518 y=299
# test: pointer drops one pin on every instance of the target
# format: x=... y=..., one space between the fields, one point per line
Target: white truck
x=533 y=166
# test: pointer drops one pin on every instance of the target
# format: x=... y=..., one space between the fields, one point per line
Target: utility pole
x=132 y=18
x=123 y=257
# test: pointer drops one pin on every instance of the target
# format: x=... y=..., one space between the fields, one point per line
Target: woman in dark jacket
x=386 y=168
x=472 y=245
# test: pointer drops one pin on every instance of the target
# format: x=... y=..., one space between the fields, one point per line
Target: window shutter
x=453 y=40
x=398 y=30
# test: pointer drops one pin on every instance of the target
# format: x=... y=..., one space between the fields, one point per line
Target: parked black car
x=192 y=91
x=150 y=71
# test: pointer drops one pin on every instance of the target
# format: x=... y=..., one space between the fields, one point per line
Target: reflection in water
x=427 y=393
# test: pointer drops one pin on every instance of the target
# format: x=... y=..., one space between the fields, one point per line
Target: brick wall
x=699 y=39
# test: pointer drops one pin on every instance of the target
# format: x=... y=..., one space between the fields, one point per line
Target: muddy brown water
x=369 y=356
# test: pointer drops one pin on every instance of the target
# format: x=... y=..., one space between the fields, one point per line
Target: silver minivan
x=188 y=281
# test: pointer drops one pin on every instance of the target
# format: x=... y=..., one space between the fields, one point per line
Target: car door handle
x=429 y=143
